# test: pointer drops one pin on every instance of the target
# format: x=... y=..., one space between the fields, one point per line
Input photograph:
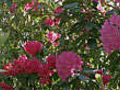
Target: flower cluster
x=5 y=86
x=97 y=0
x=51 y=60
x=110 y=34
x=44 y=73
x=49 y=22
x=12 y=8
x=58 y=10
x=24 y=65
x=33 y=5
x=52 y=37
x=54 y=21
x=66 y=63
x=117 y=1
x=33 y=47
x=106 y=79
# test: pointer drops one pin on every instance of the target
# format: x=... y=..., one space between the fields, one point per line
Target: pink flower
x=58 y=10
x=83 y=10
x=56 y=43
x=10 y=70
x=28 y=6
x=17 y=67
x=51 y=60
x=66 y=62
x=99 y=7
x=89 y=65
x=33 y=47
x=22 y=65
x=73 y=38
x=12 y=8
x=58 y=19
x=117 y=1
x=19 y=64
x=44 y=71
x=32 y=66
x=49 y=22
x=52 y=36
x=33 y=5
x=98 y=0
x=5 y=86
x=106 y=79
x=110 y=34
x=99 y=72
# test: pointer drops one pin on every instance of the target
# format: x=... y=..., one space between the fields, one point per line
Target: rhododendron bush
x=60 y=44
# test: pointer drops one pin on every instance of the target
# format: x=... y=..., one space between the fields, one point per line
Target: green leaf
x=92 y=43
x=111 y=12
x=89 y=26
x=1 y=88
x=99 y=80
x=83 y=78
x=71 y=5
x=76 y=10
x=89 y=71
x=2 y=0
x=3 y=37
x=81 y=19
x=9 y=3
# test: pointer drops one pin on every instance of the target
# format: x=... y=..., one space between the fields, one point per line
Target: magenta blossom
x=5 y=86
x=99 y=72
x=58 y=19
x=98 y=0
x=83 y=10
x=33 y=5
x=33 y=47
x=12 y=8
x=110 y=34
x=45 y=73
x=49 y=22
x=106 y=79
x=52 y=36
x=29 y=6
x=56 y=43
x=66 y=63
x=51 y=60
x=99 y=7
x=32 y=66
x=19 y=64
x=58 y=10
x=117 y=1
